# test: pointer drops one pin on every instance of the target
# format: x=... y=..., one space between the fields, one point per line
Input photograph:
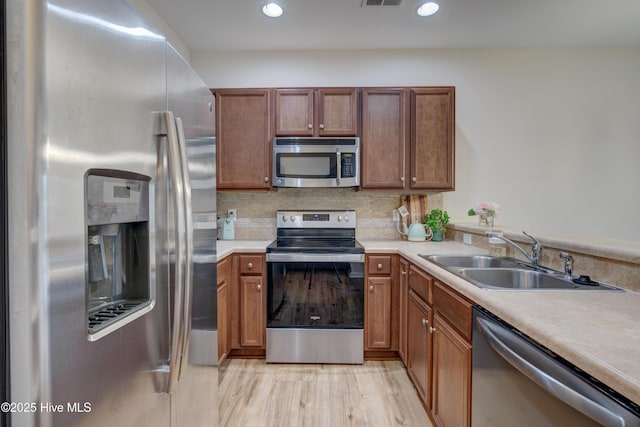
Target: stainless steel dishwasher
x=517 y=382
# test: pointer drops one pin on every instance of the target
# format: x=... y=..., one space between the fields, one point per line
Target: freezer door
x=195 y=399
x=88 y=78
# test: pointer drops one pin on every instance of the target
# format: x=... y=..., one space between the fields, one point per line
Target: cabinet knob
x=425 y=322
x=321 y=126
x=379 y=266
x=258 y=286
x=310 y=126
x=402 y=179
x=249 y=265
x=404 y=273
x=371 y=288
x=266 y=179
x=432 y=329
x=414 y=179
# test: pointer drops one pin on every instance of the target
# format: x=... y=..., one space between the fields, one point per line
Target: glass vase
x=486 y=220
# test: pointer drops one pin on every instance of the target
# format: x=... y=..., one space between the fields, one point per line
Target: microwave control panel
x=348 y=165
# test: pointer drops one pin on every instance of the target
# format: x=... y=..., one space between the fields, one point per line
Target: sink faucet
x=536 y=247
x=568 y=264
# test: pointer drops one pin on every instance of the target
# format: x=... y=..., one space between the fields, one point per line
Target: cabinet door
x=223 y=322
x=451 y=376
x=378 y=313
x=419 y=346
x=337 y=112
x=243 y=123
x=252 y=311
x=294 y=112
x=385 y=138
x=432 y=138
x=404 y=296
x=224 y=305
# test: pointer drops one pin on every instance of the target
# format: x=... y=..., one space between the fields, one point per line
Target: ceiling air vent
x=366 y=3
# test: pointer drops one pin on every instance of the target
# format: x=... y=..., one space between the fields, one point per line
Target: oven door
x=315 y=291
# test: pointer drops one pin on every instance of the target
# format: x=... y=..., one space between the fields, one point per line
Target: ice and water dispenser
x=119 y=287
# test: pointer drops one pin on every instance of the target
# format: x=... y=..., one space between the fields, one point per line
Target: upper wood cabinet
x=385 y=137
x=244 y=133
x=432 y=138
x=408 y=138
x=316 y=112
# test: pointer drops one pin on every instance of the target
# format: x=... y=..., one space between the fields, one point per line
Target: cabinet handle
x=258 y=286
x=425 y=322
x=266 y=179
x=310 y=126
x=371 y=288
x=379 y=266
x=414 y=179
x=321 y=126
x=432 y=329
x=249 y=265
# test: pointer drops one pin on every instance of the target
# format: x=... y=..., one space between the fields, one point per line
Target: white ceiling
x=344 y=24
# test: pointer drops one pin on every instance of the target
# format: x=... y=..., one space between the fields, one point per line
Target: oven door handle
x=577 y=399
x=312 y=257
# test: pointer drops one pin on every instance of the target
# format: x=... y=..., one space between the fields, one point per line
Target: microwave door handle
x=554 y=386
x=338 y=166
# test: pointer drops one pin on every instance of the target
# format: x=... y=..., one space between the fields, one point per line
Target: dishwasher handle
x=553 y=385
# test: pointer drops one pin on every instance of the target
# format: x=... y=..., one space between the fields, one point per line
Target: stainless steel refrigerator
x=108 y=222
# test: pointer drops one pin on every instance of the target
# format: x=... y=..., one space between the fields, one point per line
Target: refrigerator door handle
x=176 y=177
x=188 y=228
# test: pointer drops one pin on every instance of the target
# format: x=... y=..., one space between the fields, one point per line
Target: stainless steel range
x=315 y=292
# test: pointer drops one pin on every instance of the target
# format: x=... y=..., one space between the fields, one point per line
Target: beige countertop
x=597 y=331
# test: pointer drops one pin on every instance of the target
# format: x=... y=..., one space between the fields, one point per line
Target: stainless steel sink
x=494 y=273
x=518 y=278
x=471 y=261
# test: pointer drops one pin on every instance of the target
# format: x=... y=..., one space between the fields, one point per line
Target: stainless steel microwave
x=316 y=162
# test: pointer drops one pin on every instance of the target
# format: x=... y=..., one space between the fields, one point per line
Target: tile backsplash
x=257 y=210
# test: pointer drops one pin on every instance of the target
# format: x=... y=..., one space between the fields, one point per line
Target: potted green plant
x=437 y=221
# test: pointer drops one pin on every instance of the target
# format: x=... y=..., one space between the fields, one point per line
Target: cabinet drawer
x=421 y=283
x=251 y=264
x=223 y=271
x=455 y=308
x=379 y=265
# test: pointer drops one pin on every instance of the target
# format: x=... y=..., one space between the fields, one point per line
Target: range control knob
x=339 y=218
x=346 y=218
x=284 y=218
x=292 y=218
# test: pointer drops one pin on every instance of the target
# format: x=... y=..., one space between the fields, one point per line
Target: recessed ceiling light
x=428 y=9
x=272 y=10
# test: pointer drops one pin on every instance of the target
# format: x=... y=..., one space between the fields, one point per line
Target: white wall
x=552 y=135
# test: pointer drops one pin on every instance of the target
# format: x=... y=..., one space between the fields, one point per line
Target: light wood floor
x=254 y=393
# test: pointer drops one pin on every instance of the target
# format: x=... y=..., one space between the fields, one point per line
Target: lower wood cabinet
x=419 y=346
x=224 y=303
x=248 y=312
x=451 y=376
x=381 y=306
x=438 y=348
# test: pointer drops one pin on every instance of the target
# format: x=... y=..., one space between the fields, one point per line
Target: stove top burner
x=328 y=231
